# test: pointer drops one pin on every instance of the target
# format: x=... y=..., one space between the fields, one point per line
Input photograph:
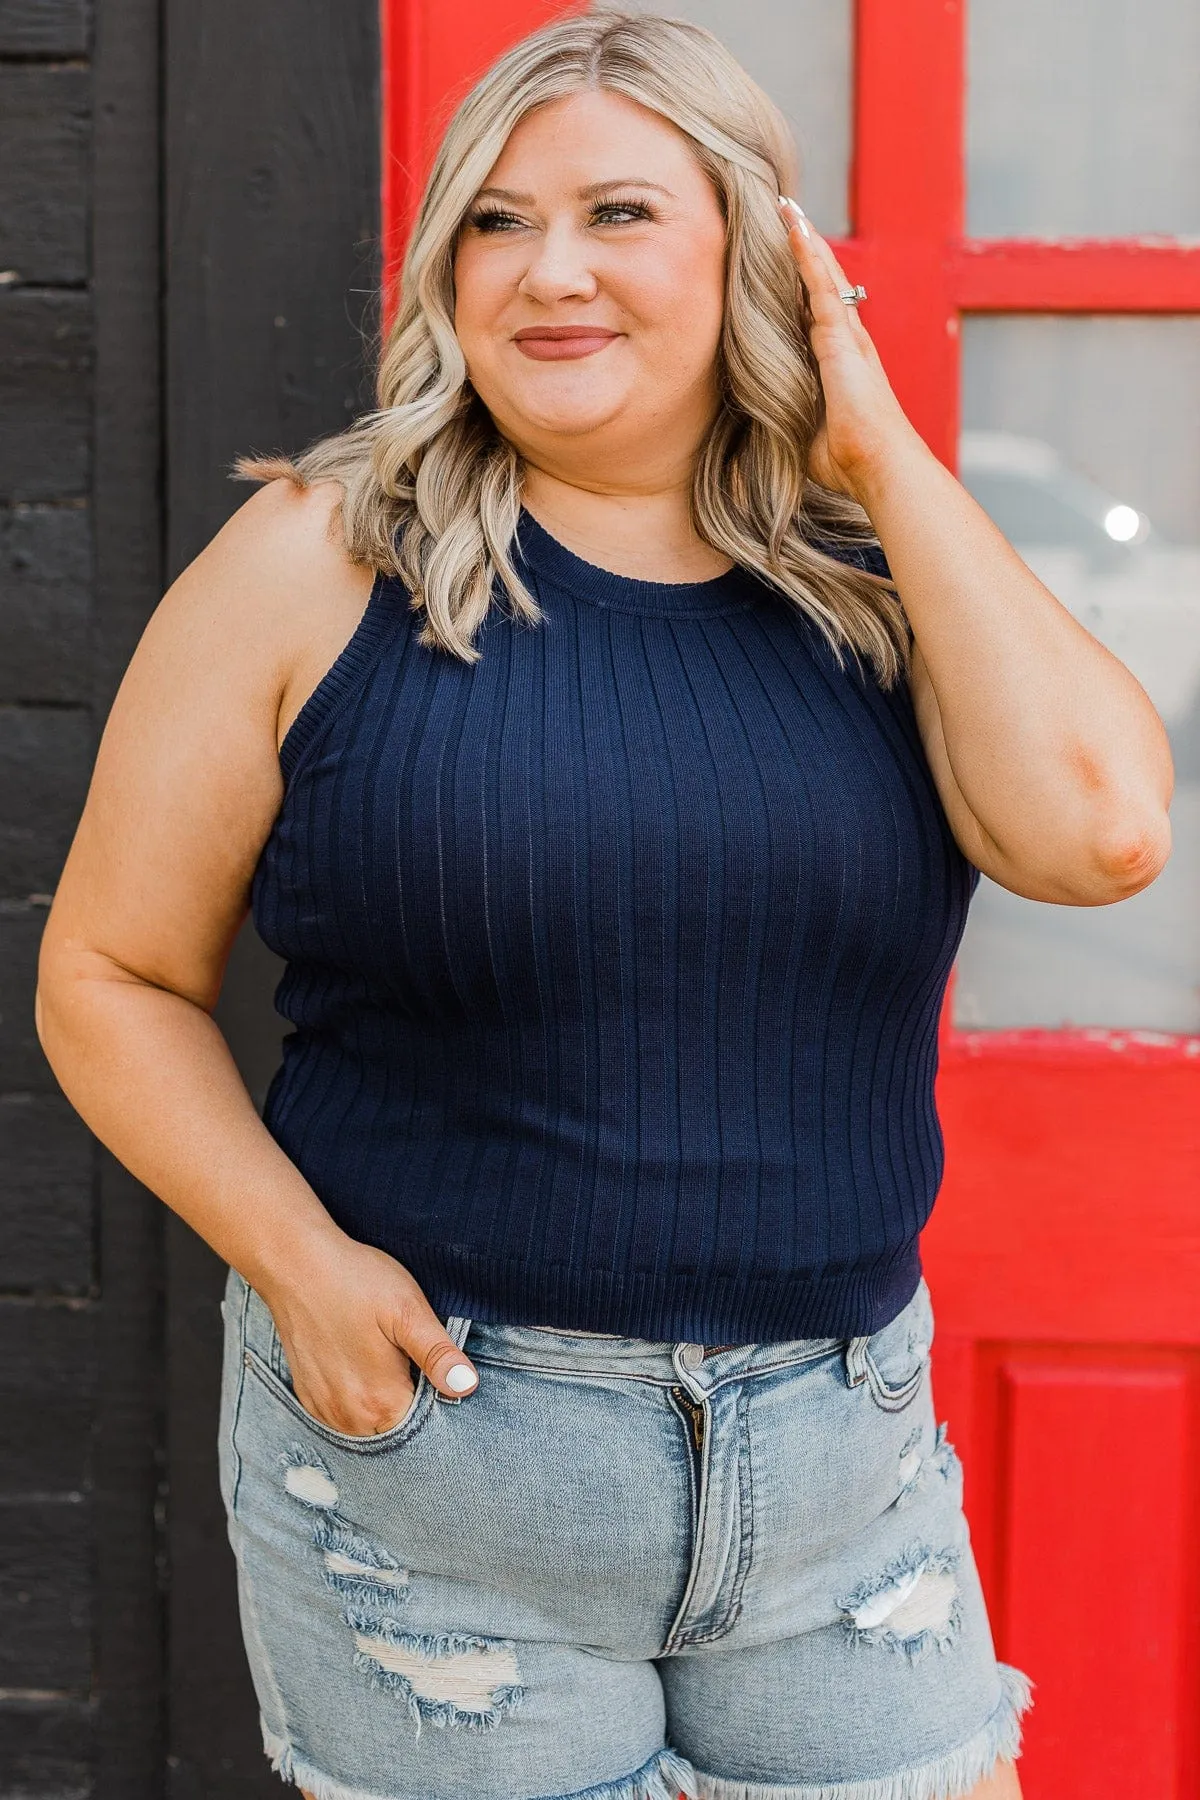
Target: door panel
x=1064 y=1259
x=1096 y=1457
x=1081 y=1480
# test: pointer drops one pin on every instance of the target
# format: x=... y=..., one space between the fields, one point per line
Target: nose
x=559 y=268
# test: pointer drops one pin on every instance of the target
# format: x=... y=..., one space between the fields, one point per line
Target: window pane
x=1082 y=439
x=799 y=51
x=1083 y=118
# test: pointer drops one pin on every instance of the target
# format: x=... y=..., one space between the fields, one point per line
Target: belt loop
x=856 y=1361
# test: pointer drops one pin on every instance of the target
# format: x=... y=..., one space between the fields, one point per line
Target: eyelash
x=490 y=219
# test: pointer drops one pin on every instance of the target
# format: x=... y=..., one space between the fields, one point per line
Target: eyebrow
x=584 y=193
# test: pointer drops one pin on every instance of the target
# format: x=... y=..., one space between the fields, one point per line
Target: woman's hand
x=864 y=421
x=349 y=1320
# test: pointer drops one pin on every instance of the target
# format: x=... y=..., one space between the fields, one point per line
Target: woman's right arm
x=183 y=795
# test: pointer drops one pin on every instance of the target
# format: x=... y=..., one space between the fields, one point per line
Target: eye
x=495 y=218
x=637 y=207
x=490 y=218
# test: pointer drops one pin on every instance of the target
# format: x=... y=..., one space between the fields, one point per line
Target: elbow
x=44 y=1020
x=44 y=1026
x=52 y=996
x=1129 y=856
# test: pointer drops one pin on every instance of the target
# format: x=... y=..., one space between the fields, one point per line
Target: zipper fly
x=695 y=1414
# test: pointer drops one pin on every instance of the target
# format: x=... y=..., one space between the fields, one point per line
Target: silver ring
x=853 y=295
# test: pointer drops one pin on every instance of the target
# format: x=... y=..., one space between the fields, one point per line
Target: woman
x=608 y=732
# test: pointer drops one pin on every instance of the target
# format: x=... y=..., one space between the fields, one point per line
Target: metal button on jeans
x=691 y=1355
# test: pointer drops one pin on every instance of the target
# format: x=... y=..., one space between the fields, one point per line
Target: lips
x=560 y=333
x=561 y=343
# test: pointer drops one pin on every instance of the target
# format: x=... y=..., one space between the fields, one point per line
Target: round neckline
x=734 y=591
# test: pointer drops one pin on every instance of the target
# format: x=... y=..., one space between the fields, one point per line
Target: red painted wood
x=1071 y=1206
x=1068 y=1233
x=401 y=32
x=1094 y=1567
x=1078 y=1452
x=1126 y=276
x=906 y=200
x=1077 y=1047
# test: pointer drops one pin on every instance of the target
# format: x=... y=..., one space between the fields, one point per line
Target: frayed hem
x=949 y=1778
x=290 y=1767
x=664 y=1777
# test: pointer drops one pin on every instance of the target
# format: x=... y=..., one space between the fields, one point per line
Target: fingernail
x=796 y=208
x=461 y=1378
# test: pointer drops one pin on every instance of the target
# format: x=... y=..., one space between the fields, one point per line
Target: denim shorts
x=617 y=1570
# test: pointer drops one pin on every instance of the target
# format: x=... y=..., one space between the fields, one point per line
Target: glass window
x=1083 y=118
x=1081 y=438
x=800 y=52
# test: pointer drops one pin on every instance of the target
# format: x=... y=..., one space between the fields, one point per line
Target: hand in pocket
x=349 y=1327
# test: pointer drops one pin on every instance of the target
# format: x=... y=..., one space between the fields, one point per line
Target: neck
x=646 y=534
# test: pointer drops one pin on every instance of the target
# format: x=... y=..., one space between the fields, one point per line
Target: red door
x=1064 y=1254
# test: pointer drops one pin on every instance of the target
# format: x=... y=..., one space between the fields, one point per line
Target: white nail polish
x=795 y=208
x=461 y=1378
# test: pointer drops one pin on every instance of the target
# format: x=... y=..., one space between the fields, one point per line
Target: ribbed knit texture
x=615 y=961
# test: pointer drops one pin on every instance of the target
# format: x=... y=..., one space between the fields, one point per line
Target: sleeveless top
x=614 y=961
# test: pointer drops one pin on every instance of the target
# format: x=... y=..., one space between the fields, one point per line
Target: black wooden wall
x=188 y=263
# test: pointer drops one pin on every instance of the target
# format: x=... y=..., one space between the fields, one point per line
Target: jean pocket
x=264 y=1356
x=893 y=1362
x=401 y=1432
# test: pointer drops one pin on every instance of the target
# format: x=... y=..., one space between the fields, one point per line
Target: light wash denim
x=618 y=1570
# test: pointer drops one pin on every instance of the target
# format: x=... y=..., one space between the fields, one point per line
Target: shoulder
x=274 y=585
x=285 y=540
x=272 y=595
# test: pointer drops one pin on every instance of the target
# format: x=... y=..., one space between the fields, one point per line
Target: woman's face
x=589 y=288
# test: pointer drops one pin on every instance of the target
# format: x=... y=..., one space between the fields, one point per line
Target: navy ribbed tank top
x=614 y=961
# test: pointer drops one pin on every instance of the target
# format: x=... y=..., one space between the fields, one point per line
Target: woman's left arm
x=1049 y=758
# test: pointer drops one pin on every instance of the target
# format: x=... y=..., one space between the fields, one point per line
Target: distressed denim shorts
x=617 y=1570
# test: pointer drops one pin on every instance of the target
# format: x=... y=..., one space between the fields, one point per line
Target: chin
x=559 y=415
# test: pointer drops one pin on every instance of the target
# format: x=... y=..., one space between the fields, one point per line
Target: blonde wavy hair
x=431 y=491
